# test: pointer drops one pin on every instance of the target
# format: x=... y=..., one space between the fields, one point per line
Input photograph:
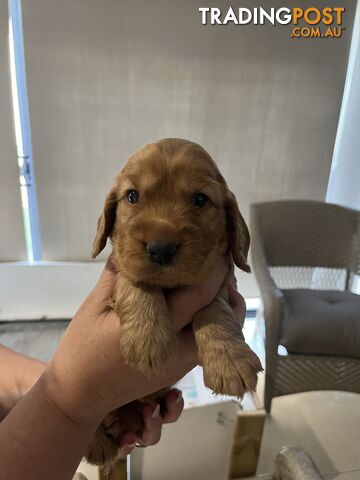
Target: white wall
x=45 y=290
x=55 y=290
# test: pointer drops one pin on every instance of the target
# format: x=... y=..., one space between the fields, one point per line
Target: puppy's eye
x=200 y=199
x=133 y=196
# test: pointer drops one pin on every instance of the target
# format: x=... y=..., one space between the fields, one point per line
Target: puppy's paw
x=148 y=350
x=103 y=448
x=105 y=443
x=147 y=335
x=230 y=370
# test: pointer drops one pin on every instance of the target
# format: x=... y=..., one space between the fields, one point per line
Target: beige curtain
x=12 y=239
x=106 y=77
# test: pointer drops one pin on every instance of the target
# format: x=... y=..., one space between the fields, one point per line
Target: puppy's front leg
x=230 y=366
x=147 y=335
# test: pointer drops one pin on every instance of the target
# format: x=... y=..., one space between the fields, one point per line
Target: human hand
x=173 y=405
x=87 y=377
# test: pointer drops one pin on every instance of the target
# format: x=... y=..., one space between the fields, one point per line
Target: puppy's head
x=169 y=214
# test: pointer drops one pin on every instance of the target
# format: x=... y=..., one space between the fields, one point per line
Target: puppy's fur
x=167 y=176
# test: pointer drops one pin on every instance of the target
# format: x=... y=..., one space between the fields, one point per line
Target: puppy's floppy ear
x=238 y=232
x=105 y=223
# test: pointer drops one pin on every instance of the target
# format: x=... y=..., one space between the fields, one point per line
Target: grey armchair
x=306 y=258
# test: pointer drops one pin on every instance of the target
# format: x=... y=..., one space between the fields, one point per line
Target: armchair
x=306 y=259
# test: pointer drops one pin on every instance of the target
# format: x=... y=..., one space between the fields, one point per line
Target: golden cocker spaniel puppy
x=169 y=216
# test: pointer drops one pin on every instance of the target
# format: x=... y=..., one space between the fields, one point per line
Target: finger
x=174 y=405
x=237 y=303
x=152 y=425
x=127 y=444
x=106 y=283
x=103 y=290
x=184 y=302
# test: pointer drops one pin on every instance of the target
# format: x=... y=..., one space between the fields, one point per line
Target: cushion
x=321 y=322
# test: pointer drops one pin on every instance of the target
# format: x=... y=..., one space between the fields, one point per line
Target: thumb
x=103 y=290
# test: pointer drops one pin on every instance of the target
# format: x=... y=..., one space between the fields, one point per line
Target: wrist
x=69 y=398
x=36 y=423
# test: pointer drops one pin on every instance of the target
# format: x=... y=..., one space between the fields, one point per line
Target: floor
x=37 y=339
x=326 y=424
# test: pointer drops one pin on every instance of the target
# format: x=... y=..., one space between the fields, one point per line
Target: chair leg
x=269 y=388
x=268 y=402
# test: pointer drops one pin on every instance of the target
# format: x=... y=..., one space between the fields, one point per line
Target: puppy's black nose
x=161 y=253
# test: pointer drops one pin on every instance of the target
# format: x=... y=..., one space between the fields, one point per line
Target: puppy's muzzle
x=161 y=253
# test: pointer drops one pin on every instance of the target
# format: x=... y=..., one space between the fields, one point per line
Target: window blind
x=106 y=77
x=12 y=239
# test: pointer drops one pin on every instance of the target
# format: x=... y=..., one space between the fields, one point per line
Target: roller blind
x=106 y=77
x=12 y=239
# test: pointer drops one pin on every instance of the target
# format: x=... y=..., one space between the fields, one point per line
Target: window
x=22 y=132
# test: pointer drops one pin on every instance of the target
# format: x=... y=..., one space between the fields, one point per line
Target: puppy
x=169 y=216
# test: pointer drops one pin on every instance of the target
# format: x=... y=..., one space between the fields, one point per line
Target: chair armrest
x=272 y=296
x=293 y=463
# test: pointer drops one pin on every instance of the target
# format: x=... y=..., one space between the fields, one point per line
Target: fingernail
x=156 y=412
x=179 y=398
x=131 y=445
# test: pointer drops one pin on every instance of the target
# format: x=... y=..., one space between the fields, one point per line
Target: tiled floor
x=36 y=339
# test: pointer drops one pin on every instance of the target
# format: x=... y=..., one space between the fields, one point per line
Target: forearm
x=38 y=441
x=18 y=374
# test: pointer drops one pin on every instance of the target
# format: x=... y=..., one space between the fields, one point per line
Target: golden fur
x=167 y=174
